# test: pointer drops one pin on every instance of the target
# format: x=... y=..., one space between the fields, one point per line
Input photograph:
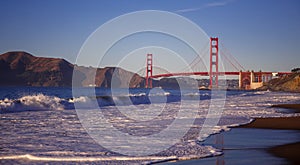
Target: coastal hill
x=288 y=83
x=24 y=69
x=21 y=68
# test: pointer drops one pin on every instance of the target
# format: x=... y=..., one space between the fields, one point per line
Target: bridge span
x=247 y=79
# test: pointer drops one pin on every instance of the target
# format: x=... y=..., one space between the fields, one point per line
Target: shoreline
x=294 y=107
x=286 y=151
x=290 y=152
x=286 y=123
x=277 y=122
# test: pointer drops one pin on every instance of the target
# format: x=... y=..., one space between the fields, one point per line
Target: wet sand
x=291 y=123
x=290 y=151
x=295 y=107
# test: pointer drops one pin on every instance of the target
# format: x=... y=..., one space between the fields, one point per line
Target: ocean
x=137 y=126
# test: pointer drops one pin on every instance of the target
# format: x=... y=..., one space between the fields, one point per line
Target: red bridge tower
x=149 y=71
x=214 y=71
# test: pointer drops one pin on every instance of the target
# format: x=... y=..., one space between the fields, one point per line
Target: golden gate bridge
x=247 y=79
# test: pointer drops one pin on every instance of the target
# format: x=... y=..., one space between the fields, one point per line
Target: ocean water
x=52 y=125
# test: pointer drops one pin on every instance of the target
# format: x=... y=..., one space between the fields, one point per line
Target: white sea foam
x=42 y=101
x=137 y=94
x=32 y=102
x=209 y=151
x=81 y=99
x=159 y=94
x=87 y=159
x=6 y=103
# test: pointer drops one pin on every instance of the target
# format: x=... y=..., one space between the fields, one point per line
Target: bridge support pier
x=253 y=80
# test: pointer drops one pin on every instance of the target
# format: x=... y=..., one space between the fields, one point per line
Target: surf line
x=74 y=159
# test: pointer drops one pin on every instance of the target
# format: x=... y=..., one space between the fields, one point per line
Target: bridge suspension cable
x=226 y=58
x=197 y=60
x=226 y=51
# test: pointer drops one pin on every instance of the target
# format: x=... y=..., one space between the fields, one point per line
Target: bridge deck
x=214 y=73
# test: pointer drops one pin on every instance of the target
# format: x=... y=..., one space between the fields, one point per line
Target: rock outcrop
x=288 y=83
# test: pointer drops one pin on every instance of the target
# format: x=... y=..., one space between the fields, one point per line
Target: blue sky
x=261 y=35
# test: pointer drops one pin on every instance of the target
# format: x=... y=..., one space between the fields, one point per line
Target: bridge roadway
x=214 y=73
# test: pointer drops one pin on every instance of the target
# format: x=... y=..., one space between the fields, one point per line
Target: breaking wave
x=32 y=102
x=45 y=102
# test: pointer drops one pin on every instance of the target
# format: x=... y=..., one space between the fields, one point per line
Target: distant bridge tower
x=149 y=71
x=214 y=62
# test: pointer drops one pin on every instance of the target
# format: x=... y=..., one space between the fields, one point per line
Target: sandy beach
x=278 y=122
x=274 y=139
x=288 y=151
